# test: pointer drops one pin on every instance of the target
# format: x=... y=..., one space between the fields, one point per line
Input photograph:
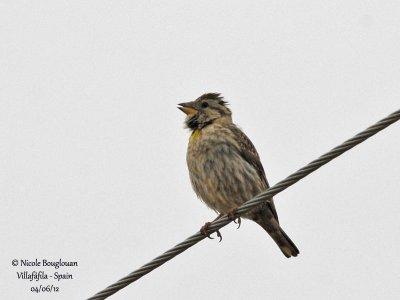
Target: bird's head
x=205 y=110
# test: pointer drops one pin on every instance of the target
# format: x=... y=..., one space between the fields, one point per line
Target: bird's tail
x=286 y=245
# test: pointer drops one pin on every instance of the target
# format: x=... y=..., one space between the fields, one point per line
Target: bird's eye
x=204 y=105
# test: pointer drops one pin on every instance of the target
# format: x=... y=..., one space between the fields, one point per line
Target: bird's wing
x=249 y=153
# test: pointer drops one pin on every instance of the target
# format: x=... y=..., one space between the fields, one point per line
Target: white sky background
x=93 y=148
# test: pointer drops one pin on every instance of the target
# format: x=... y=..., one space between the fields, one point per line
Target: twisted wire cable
x=257 y=200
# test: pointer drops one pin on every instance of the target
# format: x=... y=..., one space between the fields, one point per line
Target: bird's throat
x=195 y=135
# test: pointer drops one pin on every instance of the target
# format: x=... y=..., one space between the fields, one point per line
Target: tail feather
x=294 y=251
x=283 y=241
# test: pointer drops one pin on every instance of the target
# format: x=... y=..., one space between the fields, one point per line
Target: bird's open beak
x=188 y=108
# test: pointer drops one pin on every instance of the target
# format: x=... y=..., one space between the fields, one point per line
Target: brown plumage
x=225 y=168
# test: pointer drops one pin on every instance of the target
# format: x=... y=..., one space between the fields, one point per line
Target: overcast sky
x=92 y=155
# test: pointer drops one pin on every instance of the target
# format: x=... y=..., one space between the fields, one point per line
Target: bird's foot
x=232 y=215
x=205 y=231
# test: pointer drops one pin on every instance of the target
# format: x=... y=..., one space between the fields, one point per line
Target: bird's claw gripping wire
x=233 y=217
x=204 y=231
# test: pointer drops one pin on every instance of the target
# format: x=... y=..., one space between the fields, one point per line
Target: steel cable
x=259 y=199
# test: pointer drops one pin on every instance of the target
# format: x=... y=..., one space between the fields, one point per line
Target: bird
x=225 y=169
